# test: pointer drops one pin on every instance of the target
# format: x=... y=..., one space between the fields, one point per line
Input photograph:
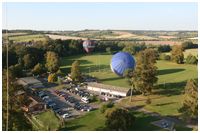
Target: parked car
x=65 y=114
x=86 y=108
x=51 y=104
x=85 y=99
x=44 y=97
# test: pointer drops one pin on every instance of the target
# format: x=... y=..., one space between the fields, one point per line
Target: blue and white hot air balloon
x=122 y=61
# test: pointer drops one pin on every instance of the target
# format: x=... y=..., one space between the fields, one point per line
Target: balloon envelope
x=88 y=45
x=122 y=61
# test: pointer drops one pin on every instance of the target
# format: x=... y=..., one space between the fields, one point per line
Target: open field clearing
x=96 y=121
x=98 y=35
x=62 y=37
x=47 y=121
x=26 y=38
x=167 y=37
x=14 y=34
x=172 y=79
x=162 y=42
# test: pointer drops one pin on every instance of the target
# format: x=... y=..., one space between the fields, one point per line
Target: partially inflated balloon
x=88 y=45
x=122 y=61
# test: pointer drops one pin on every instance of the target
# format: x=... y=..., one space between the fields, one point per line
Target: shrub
x=52 y=77
x=191 y=59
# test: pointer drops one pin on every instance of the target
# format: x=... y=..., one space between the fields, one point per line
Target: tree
x=75 y=71
x=28 y=61
x=177 y=54
x=118 y=119
x=52 y=78
x=189 y=108
x=16 y=118
x=191 y=59
x=108 y=50
x=52 y=62
x=144 y=75
x=15 y=71
x=38 y=69
x=189 y=45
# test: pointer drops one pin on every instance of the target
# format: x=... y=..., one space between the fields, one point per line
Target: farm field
x=172 y=79
x=26 y=38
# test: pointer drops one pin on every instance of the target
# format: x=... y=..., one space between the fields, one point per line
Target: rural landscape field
x=97 y=79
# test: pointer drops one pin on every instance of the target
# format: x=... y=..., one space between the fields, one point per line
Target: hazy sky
x=79 y=16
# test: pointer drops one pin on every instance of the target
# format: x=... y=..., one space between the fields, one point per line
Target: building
x=30 y=82
x=109 y=90
x=33 y=105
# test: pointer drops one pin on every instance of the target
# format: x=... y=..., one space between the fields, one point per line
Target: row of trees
x=178 y=56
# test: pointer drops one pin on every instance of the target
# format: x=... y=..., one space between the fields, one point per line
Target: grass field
x=96 y=121
x=48 y=121
x=172 y=78
x=26 y=38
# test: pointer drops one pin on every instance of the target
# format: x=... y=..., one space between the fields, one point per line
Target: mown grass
x=49 y=120
x=95 y=120
x=172 y=78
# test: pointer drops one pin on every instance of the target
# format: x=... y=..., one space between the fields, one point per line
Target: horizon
x=101 y=16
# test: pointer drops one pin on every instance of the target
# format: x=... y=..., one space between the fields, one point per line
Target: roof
x=109 y=87
x=34 y=101
x=31 y=82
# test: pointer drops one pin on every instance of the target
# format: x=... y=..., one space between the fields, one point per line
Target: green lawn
x=48 y=120
x=172 y=78
x=95 y=120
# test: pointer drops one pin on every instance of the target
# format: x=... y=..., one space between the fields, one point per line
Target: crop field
x=172 y=78
x=26 y=38
x=163 y=42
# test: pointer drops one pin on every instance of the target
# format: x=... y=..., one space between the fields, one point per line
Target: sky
x=103 y=16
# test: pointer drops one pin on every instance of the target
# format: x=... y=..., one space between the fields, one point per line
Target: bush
x=52 y=78
x=104 y=107
x=93 y=98
x=191 y=59
x=189 y=45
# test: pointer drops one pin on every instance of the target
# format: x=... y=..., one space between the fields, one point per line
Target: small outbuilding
x=33 y=105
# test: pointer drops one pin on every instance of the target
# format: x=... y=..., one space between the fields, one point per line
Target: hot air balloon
x=88 y=45
x=122 y=61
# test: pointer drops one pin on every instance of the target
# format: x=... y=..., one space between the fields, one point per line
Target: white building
x=108 y=89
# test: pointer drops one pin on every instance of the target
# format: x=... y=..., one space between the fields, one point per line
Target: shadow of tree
x=169 y=89
x=70 y=128
x=110 y=79
x=169 y=71
x=163 y=104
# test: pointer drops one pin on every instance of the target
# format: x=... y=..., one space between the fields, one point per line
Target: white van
x=85 y=100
